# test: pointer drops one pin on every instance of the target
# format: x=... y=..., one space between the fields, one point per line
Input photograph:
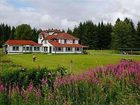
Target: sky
x=64 y=14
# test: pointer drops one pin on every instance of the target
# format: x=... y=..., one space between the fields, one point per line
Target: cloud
x=70 y=24
x=66 y=13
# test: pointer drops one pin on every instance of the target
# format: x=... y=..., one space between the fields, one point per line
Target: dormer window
x=73 y=41
x=65 y=40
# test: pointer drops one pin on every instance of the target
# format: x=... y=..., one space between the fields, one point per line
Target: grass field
x=112 y=84
x=79 y=62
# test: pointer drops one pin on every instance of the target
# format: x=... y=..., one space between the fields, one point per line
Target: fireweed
x=113 y=84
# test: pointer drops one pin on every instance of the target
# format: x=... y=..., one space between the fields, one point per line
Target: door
x=50 y=49
x=45 y=49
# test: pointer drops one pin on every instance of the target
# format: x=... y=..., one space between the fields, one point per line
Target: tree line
x=23 y=31
x=123 y=34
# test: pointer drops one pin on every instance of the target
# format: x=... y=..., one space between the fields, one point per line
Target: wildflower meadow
x=113 y=84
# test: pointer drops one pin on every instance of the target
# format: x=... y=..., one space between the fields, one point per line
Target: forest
x=124 y=34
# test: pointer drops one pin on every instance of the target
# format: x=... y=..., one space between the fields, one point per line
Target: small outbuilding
x=21 y=46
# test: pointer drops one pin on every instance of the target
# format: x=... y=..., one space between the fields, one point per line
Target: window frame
x=68 y=49
x=15 y=48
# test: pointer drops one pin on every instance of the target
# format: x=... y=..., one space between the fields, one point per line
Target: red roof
x=22 y=42
x=50 y=37
x=42 y=34
x=65 y=36
x=61 y=36
x=56 y=44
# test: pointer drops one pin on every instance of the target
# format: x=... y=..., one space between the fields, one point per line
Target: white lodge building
x=49 y=41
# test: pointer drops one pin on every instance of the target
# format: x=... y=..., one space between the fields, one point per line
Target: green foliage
x=5 y=33
x=122 y=36
x=35 y=34
x=23 y=31
x=101 y=88
x=12 y=74
x=137 y=37
x=94 y=36
x=69 y=31
x=4 y=99
x=104 y=35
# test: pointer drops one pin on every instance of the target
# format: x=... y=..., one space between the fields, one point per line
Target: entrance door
x=45 y=49
x=50 y=49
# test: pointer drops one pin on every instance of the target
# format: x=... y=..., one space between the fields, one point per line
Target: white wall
x=21 y=50
x=45 y=42
x=69 y=41
x=76 y=41
x=10 y=49
x=67 y=52
x=40 y=38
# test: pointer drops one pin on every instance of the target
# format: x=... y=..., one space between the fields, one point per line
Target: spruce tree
x=137 y=41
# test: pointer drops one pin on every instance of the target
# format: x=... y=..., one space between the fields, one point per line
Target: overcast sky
x=62 y=14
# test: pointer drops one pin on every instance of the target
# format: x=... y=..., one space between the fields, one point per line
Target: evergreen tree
x=133 y=31
x=69 y=31
x=5 y=31
x=63 y=31
x=104 y=35
x=86 y=32
x=122 y=35
x=75 y=31
x=90 y=34
x=137 y=41
x=96 y=37
x=35 y=34
x=118 y=20
x=12 y=36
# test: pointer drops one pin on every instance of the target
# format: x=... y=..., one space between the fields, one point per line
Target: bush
x=85 y=52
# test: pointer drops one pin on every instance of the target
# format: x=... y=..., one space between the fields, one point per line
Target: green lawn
x=80 y=62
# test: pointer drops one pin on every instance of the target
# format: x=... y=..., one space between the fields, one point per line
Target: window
x=15 y=48
x=36 y=48
x=27 y=48
x=54 y=49
x=58 y=49
x=30 y=48
x=45 y=49
x=73 y=41
x=65 y=41
x=77 y=49
x=23 y=48
x=68 y=49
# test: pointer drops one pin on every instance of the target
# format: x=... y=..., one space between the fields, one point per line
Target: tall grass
x=110 y=85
